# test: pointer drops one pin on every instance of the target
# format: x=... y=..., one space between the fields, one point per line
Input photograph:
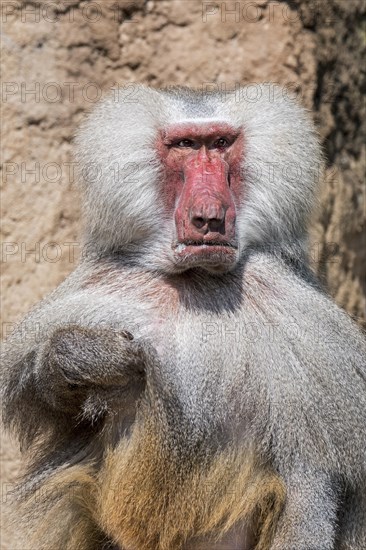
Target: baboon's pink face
x=202 y=190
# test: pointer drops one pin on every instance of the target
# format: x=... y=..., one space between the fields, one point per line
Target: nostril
x=215 y=224
x=210 y=215
x=198 y=222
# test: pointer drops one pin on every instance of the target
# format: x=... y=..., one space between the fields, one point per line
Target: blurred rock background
x=59 y=58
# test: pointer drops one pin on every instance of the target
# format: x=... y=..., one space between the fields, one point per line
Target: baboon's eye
x=185 y=143
x=221 y=143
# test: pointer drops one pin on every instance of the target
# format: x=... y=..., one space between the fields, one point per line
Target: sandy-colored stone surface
x=60 y=57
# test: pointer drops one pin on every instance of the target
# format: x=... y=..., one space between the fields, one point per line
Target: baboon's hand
x=76 y=364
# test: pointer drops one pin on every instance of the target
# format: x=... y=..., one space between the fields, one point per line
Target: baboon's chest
x=202 y=340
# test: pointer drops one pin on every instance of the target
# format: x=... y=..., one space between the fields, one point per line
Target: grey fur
x=259 y=354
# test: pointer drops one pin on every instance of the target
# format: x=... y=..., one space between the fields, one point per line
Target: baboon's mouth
x=180 y=246
x=220 y=254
